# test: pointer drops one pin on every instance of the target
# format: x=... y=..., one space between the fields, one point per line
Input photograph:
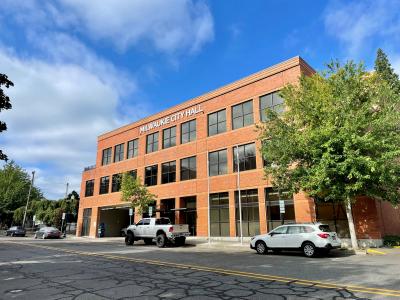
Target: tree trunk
x=351 y=225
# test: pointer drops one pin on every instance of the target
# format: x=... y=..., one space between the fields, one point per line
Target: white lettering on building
x=171 y=118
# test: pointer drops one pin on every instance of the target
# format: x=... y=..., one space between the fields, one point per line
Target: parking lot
x=107 y=269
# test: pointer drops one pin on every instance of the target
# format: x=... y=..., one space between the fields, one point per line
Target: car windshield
x=324 y=228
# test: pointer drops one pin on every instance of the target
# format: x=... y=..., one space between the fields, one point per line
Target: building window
x=106 y=157
x=119 y=152
x=274 y=218
x=133 y=173
x=168 y=172
x=188 y=132
x=217 y=122
x=169 y=137
x=188 y=168
x=272 y=101
x=217 y=163
x=250 y=212
x=152 y=142
x=104 y=184
x=150 y=175
x=116 y=183
x=89 y=189
x=247 y=157
x=133 y=148
x=242 y=114
x=219 y=214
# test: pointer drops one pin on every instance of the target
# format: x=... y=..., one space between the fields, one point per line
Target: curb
x=372 y=251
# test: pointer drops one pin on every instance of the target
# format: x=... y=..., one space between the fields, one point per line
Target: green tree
x=338 y=138
x=133 y=191
x=5 y=103
x=384 y=69
x=14 y=187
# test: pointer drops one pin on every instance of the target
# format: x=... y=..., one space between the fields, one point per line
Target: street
x=88 y=269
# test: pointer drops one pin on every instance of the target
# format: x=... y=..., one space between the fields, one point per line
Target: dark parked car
x=16 y=231
x=47 y=233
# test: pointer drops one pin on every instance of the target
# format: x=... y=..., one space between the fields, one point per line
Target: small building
x=187 y=156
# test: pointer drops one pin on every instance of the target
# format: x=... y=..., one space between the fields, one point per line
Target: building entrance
x=87 y=214
x=189 y=213
x=167 y=209
x=114 y=219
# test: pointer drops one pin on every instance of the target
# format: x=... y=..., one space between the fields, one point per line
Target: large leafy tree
x=5 y=103
x=133 y=191
x=337 y=139
x=385 y=70
x=14 y=187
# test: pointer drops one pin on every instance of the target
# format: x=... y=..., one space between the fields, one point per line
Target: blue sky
x=81 y=67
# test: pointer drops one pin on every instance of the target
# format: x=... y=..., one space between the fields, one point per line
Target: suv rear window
x=324 y=228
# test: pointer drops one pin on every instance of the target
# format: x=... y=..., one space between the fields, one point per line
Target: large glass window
x=119 y=152
x=188 y=168
x=250 y=212
x=272 y=101
x=242 y=114
x=188 y=131
x=133 y=148
x=218 y=163
x=106 y=158
x=334 y=215
x=274 y=218
x=168 y=172
x=133 y=173
x=247 y=157
x=116 y=183
x=169 y=137
x=89 y=189
x=219 y=214
x=217 y=122
x=150 y=175
x=104 y=184
x=152 y=142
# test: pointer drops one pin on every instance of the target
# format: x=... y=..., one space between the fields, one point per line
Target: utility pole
x=27 y=200
x=66 y=190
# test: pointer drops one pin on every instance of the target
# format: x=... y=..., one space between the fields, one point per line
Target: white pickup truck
x=161 y=230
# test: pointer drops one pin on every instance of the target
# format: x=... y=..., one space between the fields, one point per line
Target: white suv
x=308 y=238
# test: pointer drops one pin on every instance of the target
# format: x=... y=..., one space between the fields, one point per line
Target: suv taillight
x=323 y=235
x=171 y=229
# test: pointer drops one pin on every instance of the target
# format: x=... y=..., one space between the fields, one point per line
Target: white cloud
x=58 y=111
x=173 y=26
x=360 y=25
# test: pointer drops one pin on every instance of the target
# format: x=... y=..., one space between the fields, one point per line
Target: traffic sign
x=282 y=206
x=150 y=211
x=131 y=211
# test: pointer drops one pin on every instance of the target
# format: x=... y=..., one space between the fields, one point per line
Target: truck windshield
x=163 y=221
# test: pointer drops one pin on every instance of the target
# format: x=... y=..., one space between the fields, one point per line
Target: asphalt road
x=83 y=269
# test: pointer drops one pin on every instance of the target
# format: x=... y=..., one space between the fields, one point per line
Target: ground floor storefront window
x=272 y=203
x=250 y=212
x=219 y=214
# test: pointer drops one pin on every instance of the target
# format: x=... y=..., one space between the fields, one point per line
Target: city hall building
x=189 y=156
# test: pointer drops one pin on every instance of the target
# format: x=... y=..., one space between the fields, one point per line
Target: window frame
x=170 y=175
x=247 y=165
x=274 y=94
x=189 y=170
x=106 y=156
x=243 y=114
x=217 y=113
x=104 y=188
x=116 y=185
x=91 y=188
x=152 y=176
x=189 y=132
x=132 y=151
x=171 y=138
x=220 y=207
x=218 y=164
x=153 y=143
x=119 y=156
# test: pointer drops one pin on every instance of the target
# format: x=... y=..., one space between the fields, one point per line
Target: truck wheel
x=180 y=241
x=161 y=240
x=129 y=239
x=148 y=241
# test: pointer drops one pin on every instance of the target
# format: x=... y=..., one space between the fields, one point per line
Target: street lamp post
x=27 y=200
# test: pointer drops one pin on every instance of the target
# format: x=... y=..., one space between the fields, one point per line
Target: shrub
x=391 y=240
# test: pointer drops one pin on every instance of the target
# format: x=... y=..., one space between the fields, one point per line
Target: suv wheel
x=161 y=240
x=309 y=249
x=261 y=248
x=129 y=239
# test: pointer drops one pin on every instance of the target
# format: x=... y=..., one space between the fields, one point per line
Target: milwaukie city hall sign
x=171 y=118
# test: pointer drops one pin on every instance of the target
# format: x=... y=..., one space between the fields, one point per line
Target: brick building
x=169 y=152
